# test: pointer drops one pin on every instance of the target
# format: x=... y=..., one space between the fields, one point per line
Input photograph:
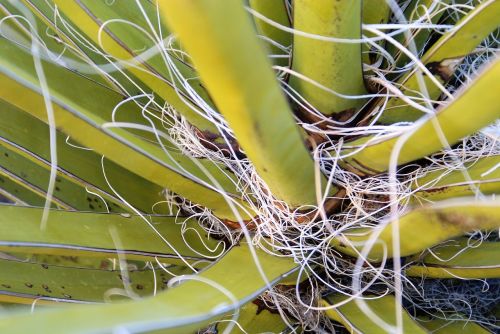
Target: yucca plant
x=249 y=166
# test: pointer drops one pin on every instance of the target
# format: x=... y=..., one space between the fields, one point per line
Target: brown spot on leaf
x=463 y=221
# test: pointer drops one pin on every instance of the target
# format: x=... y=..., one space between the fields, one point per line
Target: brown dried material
x=445 y=68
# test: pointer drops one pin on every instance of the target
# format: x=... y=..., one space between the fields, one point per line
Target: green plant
x=272 y=165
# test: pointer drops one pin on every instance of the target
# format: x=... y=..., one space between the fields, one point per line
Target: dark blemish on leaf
x=91 y=206
x=6 y=154
x=67 y=296
x=139 y=287
x=44 y=266
x=57 y=188
x=6 y=286
x=28 y=285
x=256 y=127
x=465 y=222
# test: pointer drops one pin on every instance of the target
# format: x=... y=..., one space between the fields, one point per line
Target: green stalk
x=443 y=221
x=334 y=65
x=236 y=72
x=274 y=10
x=374 y=12
x=474 y=107
x=173 y=310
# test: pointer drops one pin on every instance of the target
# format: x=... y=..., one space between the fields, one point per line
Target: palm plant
x=260 y=166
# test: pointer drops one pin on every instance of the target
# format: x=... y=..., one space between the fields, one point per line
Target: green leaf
x=51 y=36
x=28 y=137
x=446 y=183
x=275 y=10
x=105 y=235
x=419 y=10
x=254 y=317
x=67 y=195
x=85 y=119
x=443 y=58
x=461 y=258
x=20 y=192
x=373 y=12
x=460 y=117
x=354 y=318
x=442 y=221
x=121 y=40
x=459 y=324
x=24 y=282
x=238 y=76
x=173 y=310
